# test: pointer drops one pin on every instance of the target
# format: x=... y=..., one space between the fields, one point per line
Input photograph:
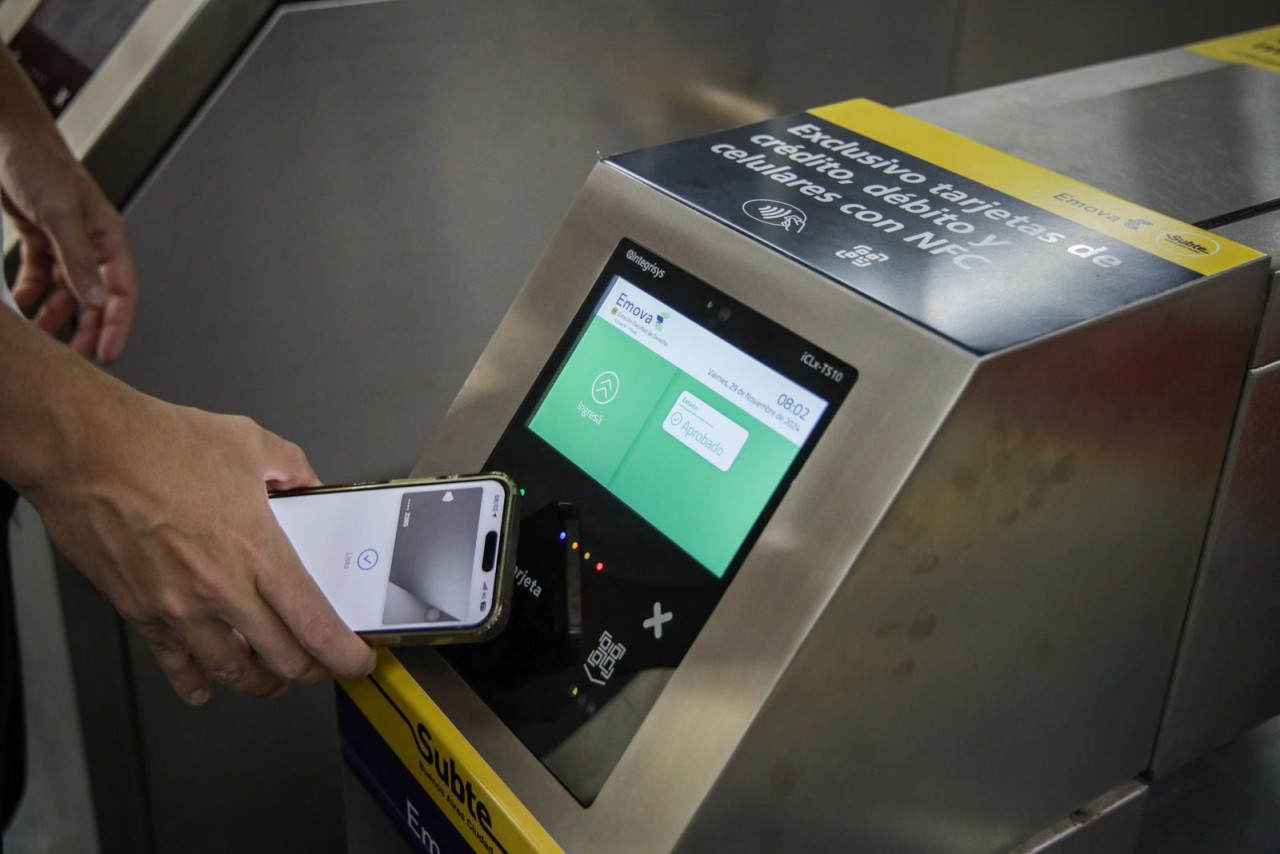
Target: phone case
x=503 y=573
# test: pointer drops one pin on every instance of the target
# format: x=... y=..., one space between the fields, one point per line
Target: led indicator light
x=522 y=492
x=586 y=555
x=600 y=567
x=563 y=535
x=575 y=544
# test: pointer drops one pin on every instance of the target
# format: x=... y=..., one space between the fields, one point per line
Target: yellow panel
x=485 y=811
x=1260 y=48
x=1121 y=220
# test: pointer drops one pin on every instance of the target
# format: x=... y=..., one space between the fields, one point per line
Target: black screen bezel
x=532 y=697
x=759 y=337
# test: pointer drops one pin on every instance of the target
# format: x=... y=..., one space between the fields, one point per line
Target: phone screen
x=401 y=557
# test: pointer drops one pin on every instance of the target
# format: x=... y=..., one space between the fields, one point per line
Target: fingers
x=310 y=618
x=35 y=274
x=56 y=311
x=88 y=325
x=275 y=645
x=79 y=245
x=225 y=657
x=260 y=657
x=284 y=465
x=292 y=593
x=120 y=278
x=76 y=254
x=185 y=676
x=233 y=603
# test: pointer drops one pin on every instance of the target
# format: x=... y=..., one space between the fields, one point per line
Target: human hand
x=168 y=516
x=74 y=254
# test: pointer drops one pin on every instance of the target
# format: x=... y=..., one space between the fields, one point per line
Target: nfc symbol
x=771 y=212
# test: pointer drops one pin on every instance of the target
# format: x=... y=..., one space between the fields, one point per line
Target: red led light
x=600 y=567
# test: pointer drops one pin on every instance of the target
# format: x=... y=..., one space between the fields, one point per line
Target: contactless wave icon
x=775 y=213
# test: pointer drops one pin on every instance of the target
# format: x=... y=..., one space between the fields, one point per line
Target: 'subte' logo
x=1191 y=245
x=770 y=212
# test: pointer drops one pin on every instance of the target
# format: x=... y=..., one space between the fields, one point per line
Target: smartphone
x=410 y=561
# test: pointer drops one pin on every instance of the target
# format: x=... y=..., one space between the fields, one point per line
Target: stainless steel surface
x=1268 y=348
x=57 y=810
x=821 y=52
x=970 y=111
x=1008 y=40
x=982 y=610
x=151 y=105
x=1262 y=232
x=1005 y=639
x=1108 y=825
x=1194 y=138
x=1195 y=146
x=1227 y=679
x=1226 y=801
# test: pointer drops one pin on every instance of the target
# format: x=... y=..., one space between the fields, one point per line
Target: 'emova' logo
x=775 y=213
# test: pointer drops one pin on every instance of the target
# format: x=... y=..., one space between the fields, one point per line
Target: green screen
x=606 y=410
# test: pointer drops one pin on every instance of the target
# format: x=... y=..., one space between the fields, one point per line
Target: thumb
x=285 y=466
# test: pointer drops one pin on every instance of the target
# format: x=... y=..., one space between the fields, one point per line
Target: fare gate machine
x=866 y=473
x=131 y=112
x=1193 y=133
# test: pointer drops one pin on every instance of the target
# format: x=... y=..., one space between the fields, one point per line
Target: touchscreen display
x=652 y=449
x=687 y=430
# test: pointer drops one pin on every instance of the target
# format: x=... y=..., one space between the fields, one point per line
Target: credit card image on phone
x=409 y=561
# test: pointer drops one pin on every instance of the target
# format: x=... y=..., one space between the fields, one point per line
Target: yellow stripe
x=513 y=825
x=1259 y=48
x=1165 y=237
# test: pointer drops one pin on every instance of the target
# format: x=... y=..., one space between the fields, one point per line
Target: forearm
x=55 y=407
x=163 y=507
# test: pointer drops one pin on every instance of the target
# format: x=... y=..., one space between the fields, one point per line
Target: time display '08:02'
x=799 y=410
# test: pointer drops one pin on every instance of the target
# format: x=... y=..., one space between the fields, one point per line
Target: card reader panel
x=652 y=448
